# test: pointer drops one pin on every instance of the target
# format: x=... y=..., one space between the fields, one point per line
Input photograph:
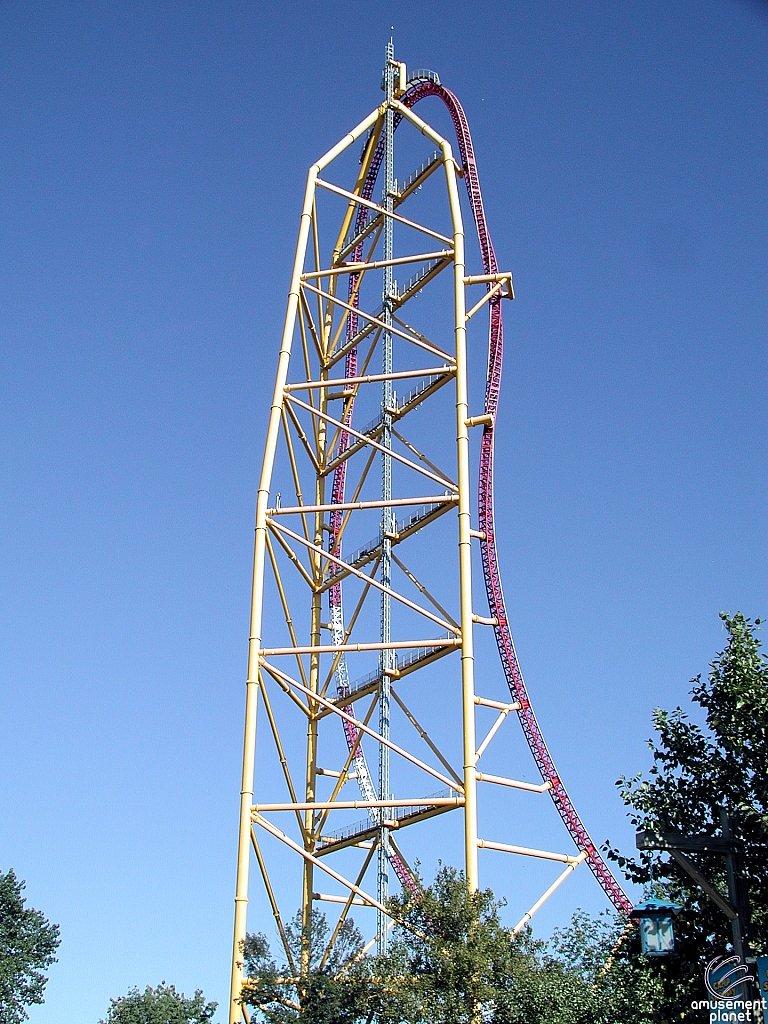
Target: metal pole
x=314 y=685
x=738 y=897
x=733 y=888
x=465 y=512
x=259 y=555
x=387 y=656
x=465 y=534
x=257 y=600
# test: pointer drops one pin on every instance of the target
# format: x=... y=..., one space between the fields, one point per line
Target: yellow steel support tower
x=317 y=676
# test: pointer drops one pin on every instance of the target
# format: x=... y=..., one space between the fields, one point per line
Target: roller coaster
x=321 y=449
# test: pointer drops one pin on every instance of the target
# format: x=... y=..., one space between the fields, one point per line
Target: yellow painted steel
x=262 y=501
x=312 y=564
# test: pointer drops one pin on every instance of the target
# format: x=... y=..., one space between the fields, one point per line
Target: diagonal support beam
x=375 y=321
x=437 y=476
x=353 y=297
x=493 y=730
x=362 y=727
x=343 y=776
x=348 y=632
x=286 y=689
x=369 y=581
x=424 y=735
x=294 y=469
x=281 y=753
x=423 y=590
x=272 y=900
x=292 y=554
x=553 y=888
x=415 y=450
x=385 y=213
x=717 y=898
x=286 y=608
x=302 y=436
x=354 y=889
x=348 y=904
x=311 y=324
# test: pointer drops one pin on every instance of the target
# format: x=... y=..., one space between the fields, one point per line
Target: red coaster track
x=533 y=734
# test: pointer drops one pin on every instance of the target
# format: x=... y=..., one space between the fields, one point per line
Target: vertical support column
x=308 y=884
x=465 y=537
x=387 y=656
x=257 y=604
x=738 y=895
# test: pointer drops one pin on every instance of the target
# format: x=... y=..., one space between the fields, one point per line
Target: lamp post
x=729 y=846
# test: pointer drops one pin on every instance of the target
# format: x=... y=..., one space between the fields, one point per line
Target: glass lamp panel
x=656 y=936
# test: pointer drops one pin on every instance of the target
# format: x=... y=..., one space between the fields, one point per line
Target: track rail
x=365 y=781
x=491 y=572
x=493 y=584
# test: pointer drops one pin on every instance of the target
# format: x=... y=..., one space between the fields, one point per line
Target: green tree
x=457 y=962
x=453 y=960
x=697 y=771
x=447 y=957
x=161 y=1005
x=28 y=943
x=334 y=990
x=606 y=979
x=450 y=959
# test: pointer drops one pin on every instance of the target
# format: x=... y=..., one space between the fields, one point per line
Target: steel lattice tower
x=399 y=605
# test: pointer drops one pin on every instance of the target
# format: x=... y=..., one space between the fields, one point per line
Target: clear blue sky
x=151 y=172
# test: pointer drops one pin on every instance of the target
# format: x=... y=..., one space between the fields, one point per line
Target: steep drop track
x=417 y=91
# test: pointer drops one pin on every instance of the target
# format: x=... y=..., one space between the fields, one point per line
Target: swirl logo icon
x=724 y=975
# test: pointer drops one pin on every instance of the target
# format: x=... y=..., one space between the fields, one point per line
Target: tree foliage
x=161 y=1005
x=457 y=962
x=334 y=987
x=28 y=943
x=697 y=771
x=607 y=979
x=453 y=960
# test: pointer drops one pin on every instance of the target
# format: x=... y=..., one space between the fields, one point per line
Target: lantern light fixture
x=656 y=918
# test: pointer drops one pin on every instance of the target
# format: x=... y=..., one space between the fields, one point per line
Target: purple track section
x=493 y=585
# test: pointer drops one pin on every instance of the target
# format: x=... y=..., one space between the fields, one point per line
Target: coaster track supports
x=321 y=453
